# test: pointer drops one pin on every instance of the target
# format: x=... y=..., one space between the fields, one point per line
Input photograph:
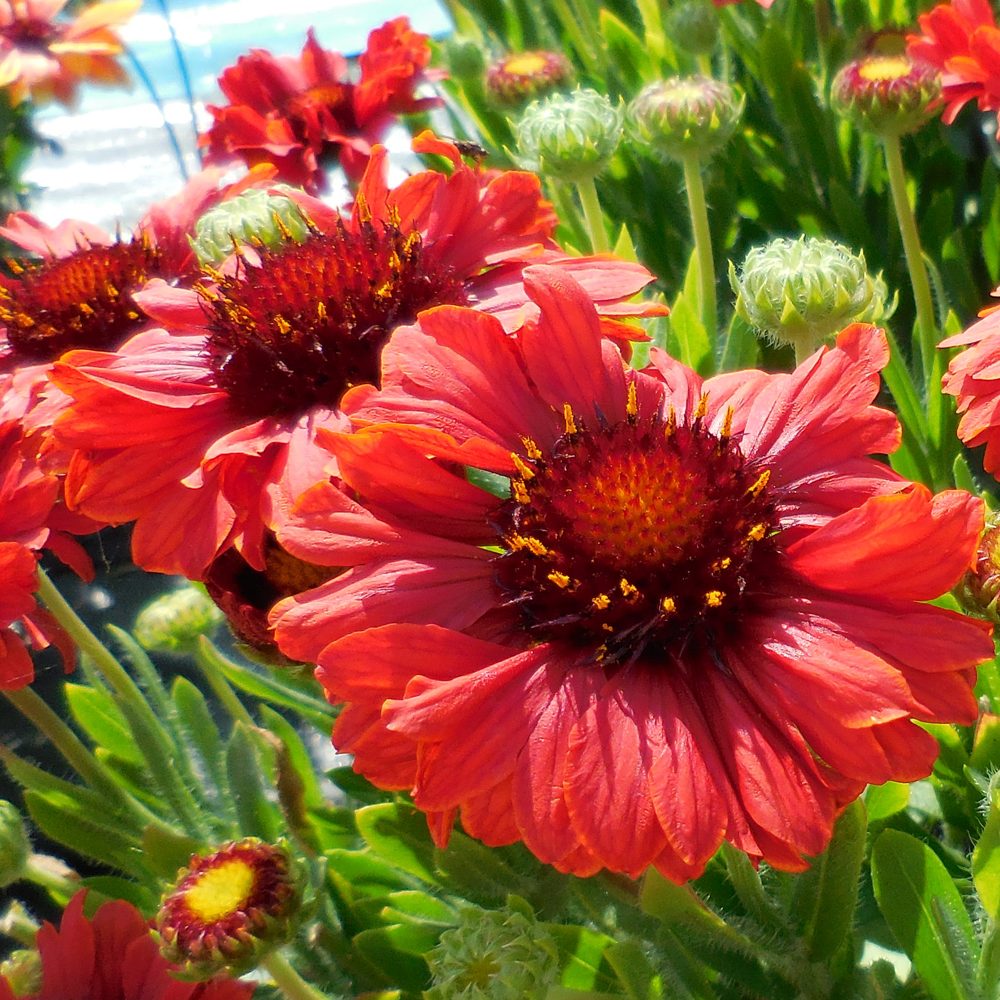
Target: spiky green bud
x=887 y=95
x=569 y=136
x=173 y=622
x=494 y=955
x=15 y=847
x=252 y=217
x=979 y=590
x=685 y=117
x=800 y=291
x=694 y=26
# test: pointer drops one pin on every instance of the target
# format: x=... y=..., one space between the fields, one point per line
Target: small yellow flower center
x=221 y=890
x=525 y=65
x=885 y=68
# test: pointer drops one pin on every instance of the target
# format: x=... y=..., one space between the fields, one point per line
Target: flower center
x=335 y=99
x=526 y=65
x=83 y=300
x=880 y=68
x=221 y=891
x=309 y=321
x=634 y=534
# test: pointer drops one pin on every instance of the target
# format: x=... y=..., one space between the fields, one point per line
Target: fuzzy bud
x=512 y=82
x=254 y=217
x=229 y=909
x=685 y=116
x=15 y=847
x=887 y=95
x=172 y=623
x=800 y=291
x=494 y=955
x=569 y=136
x=694 y=26
x=979 y=590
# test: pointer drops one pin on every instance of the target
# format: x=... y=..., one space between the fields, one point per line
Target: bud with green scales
x=693 y=26
x=252 y=217
x=685 y=117
x=494 y=955
x=570 y=137
x=800 y=291
x=173 y=622
x=15 y=847
x=230 y=909
x=525 y=76
x=979 y=590
x=886 y=95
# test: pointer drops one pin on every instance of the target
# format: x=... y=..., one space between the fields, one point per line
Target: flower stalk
x=593 y=215
x=288 y=980
x=698 y=210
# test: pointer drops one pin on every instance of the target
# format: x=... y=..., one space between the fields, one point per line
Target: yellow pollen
x=760 y=483
x=282 y=324
x=321 y=310
x=702 y=407
x=519 y=491
x=601 y=601
x=668 y=605
x=568 y=417
x=632 y=404
x=600 y=652
x=756 y=533
x=286 y=233
x=14 y=266
x=714 y=598
x=411 y=241
x=221 y=890
x=607 y=627
x=535 y=547
x=526 y=64
x=561 y=580
x=720 y=564
x=85 y=309
x=361 y=206
x=627 y=589
x=526 y=470
x=532 y=449
x=885 y=68
x=394 y=217
x=727 y=422
x=671 y=427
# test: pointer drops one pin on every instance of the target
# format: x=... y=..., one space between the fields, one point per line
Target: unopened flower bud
x=978 y=591
x=173 y=622
x=800 y=291
x=15 y=848
x=694 y=26
x=493 y=955
x=887 y=95
x=512 y=82
x=254 y=217
x=23 y=972
x=230 y=909
x=685 y=116
x=570 y=136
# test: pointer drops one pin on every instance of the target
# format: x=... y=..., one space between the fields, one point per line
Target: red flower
x=112 y=957
x=963 y=41
x=302 y=114
x=205 y=434
x=696 y=617
x=44 y=58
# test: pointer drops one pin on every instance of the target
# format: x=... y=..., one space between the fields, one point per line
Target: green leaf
x=167 y=851
x=100 y=718
x=367 y=872
x=411 y=904
x=114 y=887
x=923 y=908
x=986 y=862
x=405 y=970
x=581 y=952
x=627 y=53
x=357 y=786
x=883 y=801
x=256 y=816
x=472 y=870
x=688 y=338
x=399 y=834
x=635 y=974
x=199 y=728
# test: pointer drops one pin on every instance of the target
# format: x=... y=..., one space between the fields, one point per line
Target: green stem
x=702 y=243
x=989 y=963
x=289 y=981
x=705 y=65
x=52 y=875
x=593 y=214
x=576 y=36
x=926 y=325
x=209 y=661
x=747 y=884
x=17 y=925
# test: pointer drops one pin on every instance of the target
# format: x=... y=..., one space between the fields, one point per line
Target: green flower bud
x=685 y=116
x=493 y=955
x=522 y=77
x=694 y=27
x=465 y=60
x=800 y=291
x=173 y=622
x=979 y=590
x=23 y=972
x=252 y=217
x=570 y=136
x=15 y=848
x=887 y=95
x=229 y=909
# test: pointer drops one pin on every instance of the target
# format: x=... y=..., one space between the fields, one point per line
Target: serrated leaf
x=100 y=718
x=399 y=834
x=883 y=801
x=925 y=912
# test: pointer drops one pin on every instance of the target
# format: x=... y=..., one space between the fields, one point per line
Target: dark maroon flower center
x=331 y=99
x=636 y=535
x=83 y=300
x=310 y=319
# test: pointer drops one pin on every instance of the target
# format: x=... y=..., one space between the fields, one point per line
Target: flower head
x=46 y=58
x=229 y=908
x=697 y=614
x=979 y=589
x=111 y=957
x=694 y=26
x=570 y=136
x=303 y=114
x=961 y=39
x=886 y=94
x=524 y=76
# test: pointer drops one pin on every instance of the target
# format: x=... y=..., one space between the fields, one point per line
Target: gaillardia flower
x=112 y=957
x=961 y=39
x=695 y=615
x=204 y=432
x=887 y=95
x=524 y=76
x=229 y=908
x=302 y=115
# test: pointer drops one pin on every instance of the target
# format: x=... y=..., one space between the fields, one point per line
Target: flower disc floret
x=685 y=116
x=570 y=136
x=524 y=76
x=229 y=908
x=887 y=95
